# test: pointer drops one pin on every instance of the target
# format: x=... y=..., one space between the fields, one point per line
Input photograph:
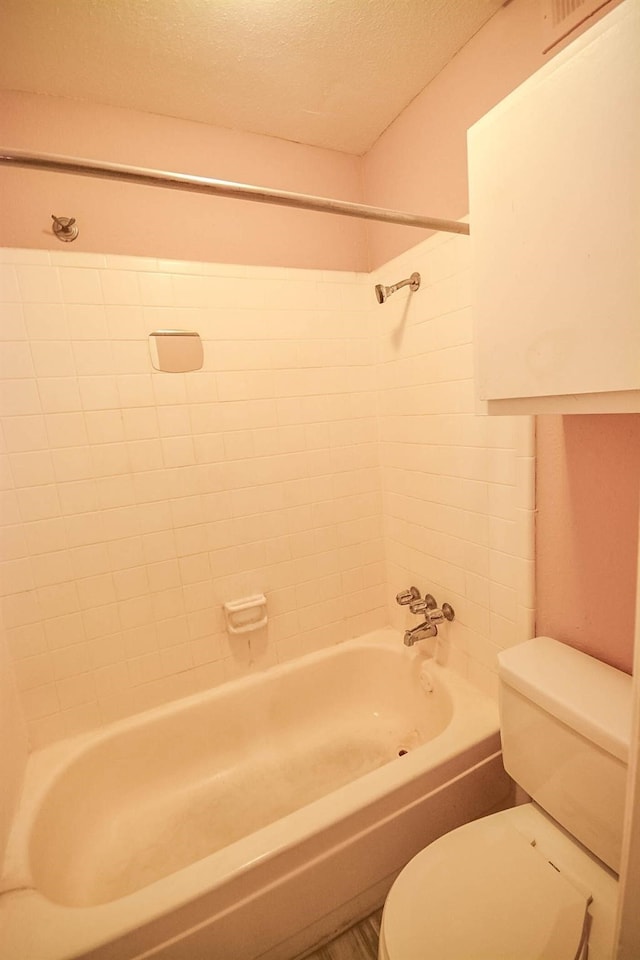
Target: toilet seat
x=485 y=892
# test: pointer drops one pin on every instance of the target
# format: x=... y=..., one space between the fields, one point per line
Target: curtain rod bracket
x=65 y=228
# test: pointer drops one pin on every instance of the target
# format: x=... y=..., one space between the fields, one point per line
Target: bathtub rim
x=116 y=918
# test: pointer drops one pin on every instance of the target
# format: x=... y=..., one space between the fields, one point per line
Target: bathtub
x=250 y=821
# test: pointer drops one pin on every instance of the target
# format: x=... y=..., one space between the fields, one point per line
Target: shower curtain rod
x=223 y=188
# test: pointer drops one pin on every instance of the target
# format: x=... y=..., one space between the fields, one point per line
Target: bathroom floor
x=358 y=943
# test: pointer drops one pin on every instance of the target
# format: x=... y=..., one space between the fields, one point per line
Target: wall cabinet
x=554 y=177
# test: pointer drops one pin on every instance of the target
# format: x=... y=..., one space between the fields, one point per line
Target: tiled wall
x=458 y=489
x=14 y=746
x=134 y=503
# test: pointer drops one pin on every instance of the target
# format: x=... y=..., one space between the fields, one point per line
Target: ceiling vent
x=562 y=17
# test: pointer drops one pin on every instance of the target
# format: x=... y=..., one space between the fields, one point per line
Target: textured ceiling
x=333 y=73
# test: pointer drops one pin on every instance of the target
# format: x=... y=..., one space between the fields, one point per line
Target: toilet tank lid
x=591 y=697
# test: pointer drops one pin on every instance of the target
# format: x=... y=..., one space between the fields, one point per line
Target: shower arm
x=222 y=188
x=401 y=283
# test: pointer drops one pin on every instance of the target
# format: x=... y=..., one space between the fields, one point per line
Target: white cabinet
x=554 y=177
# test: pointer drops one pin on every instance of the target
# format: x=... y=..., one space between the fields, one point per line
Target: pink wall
x=420 y=161
x=418 y=164
x=147 y=221
x=586 y=538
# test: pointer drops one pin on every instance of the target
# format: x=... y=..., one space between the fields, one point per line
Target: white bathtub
x=252 y=820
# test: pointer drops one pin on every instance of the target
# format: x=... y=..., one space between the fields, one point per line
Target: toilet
x=538 y=881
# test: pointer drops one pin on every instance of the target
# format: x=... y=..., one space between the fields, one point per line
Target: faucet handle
x=423 y=606
x=437 y=616
x=409 y=596
x=418 y=606
x=448 y=612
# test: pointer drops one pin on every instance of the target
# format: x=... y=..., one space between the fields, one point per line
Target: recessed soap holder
x=247 y=614
x=176 y=351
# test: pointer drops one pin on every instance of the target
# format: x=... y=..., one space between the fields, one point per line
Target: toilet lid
x=483 y=891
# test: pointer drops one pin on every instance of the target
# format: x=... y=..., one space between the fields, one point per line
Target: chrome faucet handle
x=418 y=606
x=437 y=616
x=409 y=596
x=423 y=606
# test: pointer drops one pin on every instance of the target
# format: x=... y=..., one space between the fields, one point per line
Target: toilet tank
x=565 y=722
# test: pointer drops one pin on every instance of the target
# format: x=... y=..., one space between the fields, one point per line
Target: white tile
x=525 y=480
x=24 y=255
x=39 y=284
x=12 y=324
x=59 y=394
x=53 y=358
x=93 y=357
x=66 y=429
x=125 y=322
x=119 y=262
x=15 y=360
x=45 y=321
x=19 y=397
x=86 y=321
x=98 y=393
x=120 y=287
x=38 y=503
x=70 y=258
x=80 y=285
x=156 y=289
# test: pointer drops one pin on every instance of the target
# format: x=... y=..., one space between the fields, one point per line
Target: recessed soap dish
x=176 y=351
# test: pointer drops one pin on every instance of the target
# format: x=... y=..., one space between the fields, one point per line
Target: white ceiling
x=332 y=73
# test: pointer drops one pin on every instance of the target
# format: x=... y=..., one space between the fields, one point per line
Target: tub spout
x=423 y=630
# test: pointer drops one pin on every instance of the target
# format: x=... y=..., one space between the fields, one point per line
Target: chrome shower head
x=382 y=292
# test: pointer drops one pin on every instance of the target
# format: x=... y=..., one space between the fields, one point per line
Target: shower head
x=383 y=292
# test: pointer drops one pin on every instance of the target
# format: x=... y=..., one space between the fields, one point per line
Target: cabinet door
x=554 y=176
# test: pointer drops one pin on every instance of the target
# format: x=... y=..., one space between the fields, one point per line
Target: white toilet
x=538 y=881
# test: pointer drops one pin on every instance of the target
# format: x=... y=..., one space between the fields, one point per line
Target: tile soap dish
x=246 y=614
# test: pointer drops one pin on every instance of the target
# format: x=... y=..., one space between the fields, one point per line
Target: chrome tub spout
x=421 y=632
